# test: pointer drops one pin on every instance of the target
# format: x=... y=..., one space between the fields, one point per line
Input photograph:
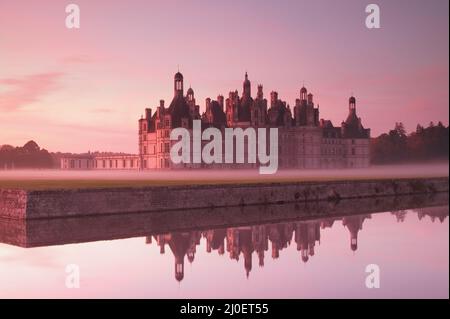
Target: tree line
x=28 y=156
x=424 y=144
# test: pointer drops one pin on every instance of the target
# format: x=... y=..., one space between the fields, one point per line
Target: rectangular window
x=167 y=147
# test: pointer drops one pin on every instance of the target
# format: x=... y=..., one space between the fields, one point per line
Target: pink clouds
x=77 y=59
x=123 y=58
x=26 y=90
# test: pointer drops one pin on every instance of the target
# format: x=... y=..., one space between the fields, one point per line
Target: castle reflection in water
x=249 y=240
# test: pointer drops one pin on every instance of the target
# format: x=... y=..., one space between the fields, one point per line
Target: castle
x=304 y=140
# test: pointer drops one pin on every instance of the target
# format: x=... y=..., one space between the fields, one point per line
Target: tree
x=428 y=143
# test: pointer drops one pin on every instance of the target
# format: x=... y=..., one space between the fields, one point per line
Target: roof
x=179 y=109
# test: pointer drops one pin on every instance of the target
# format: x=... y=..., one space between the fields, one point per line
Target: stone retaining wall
x=19 y=204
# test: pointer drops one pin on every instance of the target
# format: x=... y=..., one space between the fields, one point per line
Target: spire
x=247 y=86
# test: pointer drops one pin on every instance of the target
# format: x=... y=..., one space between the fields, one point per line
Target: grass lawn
x=41 y=184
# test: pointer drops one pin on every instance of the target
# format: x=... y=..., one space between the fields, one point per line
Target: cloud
x=77 y=59
x=26 y=90
x=103 y=110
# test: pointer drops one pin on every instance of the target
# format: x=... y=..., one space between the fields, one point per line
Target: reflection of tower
x=247 y=248
x=181 y=244
x=400 y=215
x=215 y=240
x=306 y=235
x=260 y=242
x=354 y=225
x=280 y=235
x=239 y=240
x=440 y=213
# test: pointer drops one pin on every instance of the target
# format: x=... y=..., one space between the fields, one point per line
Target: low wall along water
x=35 y=204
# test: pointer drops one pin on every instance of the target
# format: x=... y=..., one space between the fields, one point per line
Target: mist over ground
x=376 y=171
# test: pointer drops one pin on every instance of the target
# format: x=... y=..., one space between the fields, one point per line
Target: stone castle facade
x=304 y=140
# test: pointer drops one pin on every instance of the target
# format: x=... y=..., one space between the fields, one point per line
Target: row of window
x=115 y=163
x=164 y=147
x=164 y=163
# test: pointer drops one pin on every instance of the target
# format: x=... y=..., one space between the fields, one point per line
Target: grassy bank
x=42 y=184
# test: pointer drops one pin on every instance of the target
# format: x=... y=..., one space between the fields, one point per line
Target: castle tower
x=303 y=95
x=194 y=109
x=273 y=98
x=178 y=84
x=246 y=87
x=352 y=104
x=310 y=99
x=220 y=101
x=260 y=94
x=208 y=111
x=190 y=96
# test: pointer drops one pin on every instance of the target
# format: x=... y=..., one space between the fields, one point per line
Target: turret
x=246 y=87
x=178 y=84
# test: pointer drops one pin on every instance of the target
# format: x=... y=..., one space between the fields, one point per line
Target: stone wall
x=13 y=203
x=60 y=231
x=81 y=202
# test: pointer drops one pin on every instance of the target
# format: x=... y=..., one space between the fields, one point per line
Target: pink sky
x=78 y=90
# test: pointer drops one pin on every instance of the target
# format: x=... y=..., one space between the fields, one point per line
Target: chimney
x=208 y=105
x=148 y=113
x=220 y=101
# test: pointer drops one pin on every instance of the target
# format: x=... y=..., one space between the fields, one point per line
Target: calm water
x=307 y=258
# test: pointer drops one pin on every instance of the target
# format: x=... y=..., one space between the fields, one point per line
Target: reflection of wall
x=42 y=232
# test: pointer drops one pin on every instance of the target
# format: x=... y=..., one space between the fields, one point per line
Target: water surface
x=307 y=257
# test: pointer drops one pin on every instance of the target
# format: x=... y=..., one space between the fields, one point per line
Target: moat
x=294 y=250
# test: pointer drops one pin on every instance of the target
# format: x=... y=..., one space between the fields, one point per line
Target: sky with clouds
x=84 y=89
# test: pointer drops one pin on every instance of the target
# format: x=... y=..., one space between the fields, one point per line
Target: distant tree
x=419 y=129
x=427 y=143
x=28 y=156
x=31 y=147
